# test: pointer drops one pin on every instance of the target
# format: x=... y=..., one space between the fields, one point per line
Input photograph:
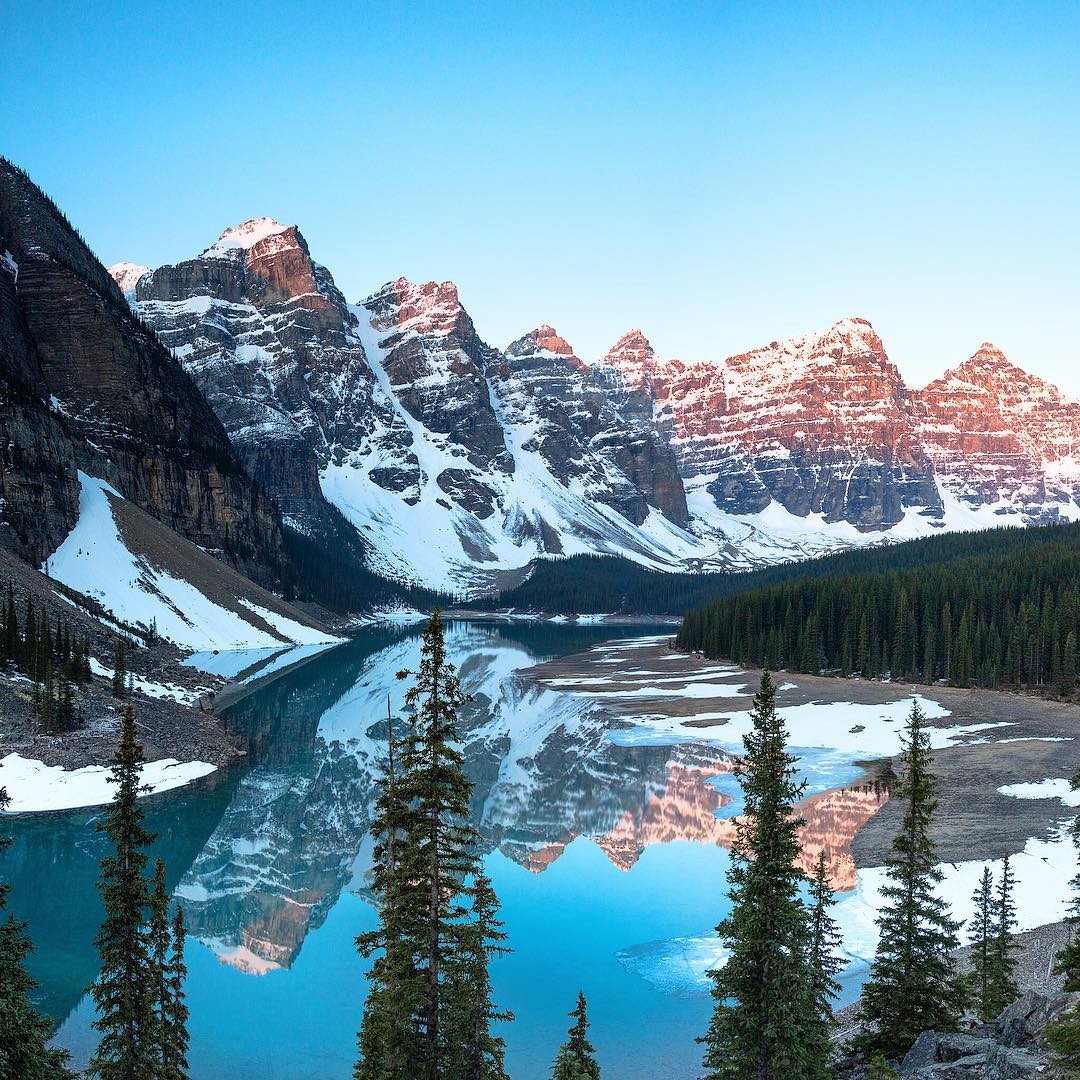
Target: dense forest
x=597 y=583
x=996 y=609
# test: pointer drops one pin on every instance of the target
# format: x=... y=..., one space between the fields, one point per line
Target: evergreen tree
x=159 y=941
x=1068 y=959
x=124 y=991
x=25 y=1053
x=878 y=1068
x=119 y=671
x=982 y=946
x=174 y=1016
x=473 y=1052
x=764 y=1023
x=825 y=964
x=912 y=986
x=429 y=1009
x=1004 y=990
x=576 y=1059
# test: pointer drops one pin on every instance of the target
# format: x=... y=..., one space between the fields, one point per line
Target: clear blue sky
x=719 y=174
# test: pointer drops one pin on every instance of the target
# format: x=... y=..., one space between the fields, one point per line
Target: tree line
x=611 y=584
x=51 y=654
x=996 y=620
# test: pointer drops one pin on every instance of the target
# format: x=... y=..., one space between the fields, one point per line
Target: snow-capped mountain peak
x=248 y=234
x=127 y=275
x=458 y=463
x=544 y=339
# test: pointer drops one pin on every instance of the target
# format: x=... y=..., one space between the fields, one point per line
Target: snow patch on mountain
x=94 y=560
x=245 y=235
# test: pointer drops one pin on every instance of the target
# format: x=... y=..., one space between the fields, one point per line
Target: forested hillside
x=996 y=609
x=598 y=583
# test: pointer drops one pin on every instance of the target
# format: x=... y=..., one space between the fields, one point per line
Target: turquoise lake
x=603 y=855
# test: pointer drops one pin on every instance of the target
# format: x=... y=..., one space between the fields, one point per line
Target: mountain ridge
x=801 y=446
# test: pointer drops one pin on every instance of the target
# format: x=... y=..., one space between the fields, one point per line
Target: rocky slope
x=457 y=463
x=86 y=385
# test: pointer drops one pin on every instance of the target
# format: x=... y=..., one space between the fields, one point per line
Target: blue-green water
x=602 y=855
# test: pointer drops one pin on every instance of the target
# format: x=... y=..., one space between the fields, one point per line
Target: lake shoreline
x=1014 y=739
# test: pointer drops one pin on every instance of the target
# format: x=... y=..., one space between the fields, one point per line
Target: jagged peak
x=543 y=339
x=431 y=307
x=633 y=340
x=247 y=234
x=990 y=370
x=127 y=274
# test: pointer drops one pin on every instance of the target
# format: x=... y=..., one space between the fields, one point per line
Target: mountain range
x=458 y=462
x=250 y=410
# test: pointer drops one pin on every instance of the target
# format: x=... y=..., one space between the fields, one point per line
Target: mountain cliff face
x=456 y=463
x=997 y=434
x=819 y=425
x=86 y=385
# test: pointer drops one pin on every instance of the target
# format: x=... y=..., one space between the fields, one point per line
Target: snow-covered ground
x=181 y=694
x=34 y=786
x=94 y=560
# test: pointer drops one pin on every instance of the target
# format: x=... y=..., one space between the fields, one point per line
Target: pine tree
x=1068 y=959
x=174 y=1017
x=429 y=1003
x=981 y=933
x=576 y=1059
x=25 y=1053
x=159 y=941
x=1003 y=988
x=124 y=991
x=473 y=1052
x=825 y=964
x=912 y=986
x=119 y=672
x=764 y=1022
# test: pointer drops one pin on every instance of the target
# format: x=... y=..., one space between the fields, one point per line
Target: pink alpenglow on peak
x=249 y=233
x=127 y=274
x=549 y=340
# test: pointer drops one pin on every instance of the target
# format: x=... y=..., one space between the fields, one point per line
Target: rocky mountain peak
x=433 y=307
x=255 y=232
x=634 y=356
x=632 y=349
x=127 y=275
x=543 y=339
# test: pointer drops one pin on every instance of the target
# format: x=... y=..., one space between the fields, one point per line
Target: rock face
x=997 y=434
x=270 y=342
x=457 y=463
x=453 y=461
x=1011 y=1047
x=818 y=424
x=85 y=385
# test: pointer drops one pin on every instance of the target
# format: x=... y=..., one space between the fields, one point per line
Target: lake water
x=608 y=858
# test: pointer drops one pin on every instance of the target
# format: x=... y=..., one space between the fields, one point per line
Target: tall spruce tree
x=174 y=1010
x=1003 y=988
x=25 y=1053
x=429 y=1011
x=576 y=1059
x=765 y=1023
x=160 y=940
x=124 y=990
x=981 y=937
x=473 y=1051
x=913 y=986
x=826 y=963
x=1068 y=959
